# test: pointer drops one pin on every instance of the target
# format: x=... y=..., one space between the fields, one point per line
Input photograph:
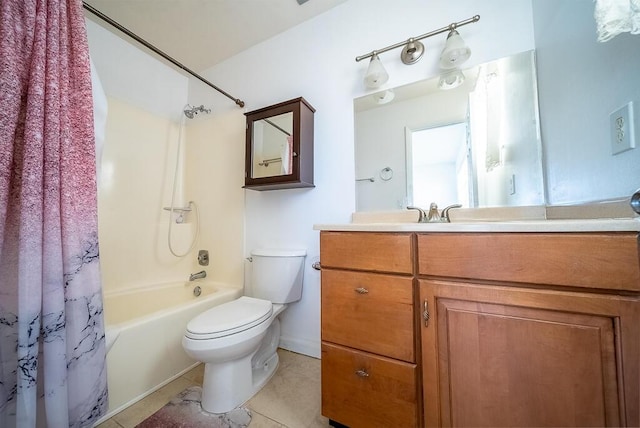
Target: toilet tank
x=276 y=274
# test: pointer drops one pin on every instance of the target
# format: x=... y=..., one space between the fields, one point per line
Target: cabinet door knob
x=362 y=373
x=361 y=290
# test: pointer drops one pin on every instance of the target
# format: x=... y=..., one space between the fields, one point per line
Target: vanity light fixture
x=455 y=52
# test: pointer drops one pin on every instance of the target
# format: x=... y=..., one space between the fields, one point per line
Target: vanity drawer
x=591 y=260
x=372 y=312
x=364 y=390
x=380 y=252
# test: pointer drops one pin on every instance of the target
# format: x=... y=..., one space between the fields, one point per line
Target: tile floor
x=291 y=399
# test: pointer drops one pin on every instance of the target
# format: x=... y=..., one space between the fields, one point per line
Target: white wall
x=581 y=81
x=316 y=60
x=215 y=176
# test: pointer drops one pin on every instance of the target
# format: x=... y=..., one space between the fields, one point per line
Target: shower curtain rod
x=277 y=127
x=142 y=41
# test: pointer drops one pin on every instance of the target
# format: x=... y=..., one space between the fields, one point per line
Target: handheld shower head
x=191 y=112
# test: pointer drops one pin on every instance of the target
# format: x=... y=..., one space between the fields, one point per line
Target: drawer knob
x=362 y=373
x=361 y=290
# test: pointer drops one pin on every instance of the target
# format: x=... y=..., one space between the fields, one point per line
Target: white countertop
x=604 y=216
x=573 y=225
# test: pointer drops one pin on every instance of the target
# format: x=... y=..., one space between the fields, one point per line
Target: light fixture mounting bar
x=449 y=27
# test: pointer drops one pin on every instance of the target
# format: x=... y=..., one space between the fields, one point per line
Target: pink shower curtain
x=52 y=350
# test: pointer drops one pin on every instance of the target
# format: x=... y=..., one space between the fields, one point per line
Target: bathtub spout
x=198 y=275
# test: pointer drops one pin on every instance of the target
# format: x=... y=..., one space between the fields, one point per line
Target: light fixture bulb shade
x=455 y=51
x=384 y=97
x=376 y=75
x=451 y=79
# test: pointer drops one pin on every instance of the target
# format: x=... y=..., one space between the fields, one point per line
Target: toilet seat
x=229 y=318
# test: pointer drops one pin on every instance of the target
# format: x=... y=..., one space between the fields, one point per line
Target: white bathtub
x=147 y=324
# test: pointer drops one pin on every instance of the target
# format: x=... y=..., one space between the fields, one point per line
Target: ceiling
x=202 y=33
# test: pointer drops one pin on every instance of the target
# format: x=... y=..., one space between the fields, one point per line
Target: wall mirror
x=272 y=139
x=279 y=146
x=477 y=144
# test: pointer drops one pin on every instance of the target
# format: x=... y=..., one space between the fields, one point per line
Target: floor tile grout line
x=266 y=417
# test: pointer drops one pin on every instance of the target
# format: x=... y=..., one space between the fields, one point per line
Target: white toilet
x=238 y=340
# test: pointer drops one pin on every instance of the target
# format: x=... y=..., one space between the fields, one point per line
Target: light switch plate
x=512 y=184
x=622 y=130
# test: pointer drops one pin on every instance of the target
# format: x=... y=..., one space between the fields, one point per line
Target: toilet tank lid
x=278 y=252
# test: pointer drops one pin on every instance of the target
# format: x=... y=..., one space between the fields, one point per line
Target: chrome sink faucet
x=198 y=275
x=434 y=216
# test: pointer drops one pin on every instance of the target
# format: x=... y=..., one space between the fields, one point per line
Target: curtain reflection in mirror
x=273 y=146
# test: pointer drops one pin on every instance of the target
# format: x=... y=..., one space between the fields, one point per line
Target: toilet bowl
x=237 y=341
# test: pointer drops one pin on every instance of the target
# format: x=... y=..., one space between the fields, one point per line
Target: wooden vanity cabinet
x=369 y=367
x=530 y=329
x=510 y=329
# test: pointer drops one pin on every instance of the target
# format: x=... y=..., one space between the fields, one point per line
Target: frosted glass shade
x=376 y=74
x=455 y=51
x=451 y=79
x=384 y=96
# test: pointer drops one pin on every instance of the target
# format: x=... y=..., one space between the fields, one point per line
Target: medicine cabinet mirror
x=279 y=147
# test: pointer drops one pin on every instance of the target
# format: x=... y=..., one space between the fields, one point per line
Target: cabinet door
x=502 y=356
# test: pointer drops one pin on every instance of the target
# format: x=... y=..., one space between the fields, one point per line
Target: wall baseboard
x=301 y=346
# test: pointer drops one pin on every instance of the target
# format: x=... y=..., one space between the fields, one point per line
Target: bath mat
x=184 y=411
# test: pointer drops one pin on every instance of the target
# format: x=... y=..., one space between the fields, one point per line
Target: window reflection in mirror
x=438 y=166
x=497 y=103
x=272 y=146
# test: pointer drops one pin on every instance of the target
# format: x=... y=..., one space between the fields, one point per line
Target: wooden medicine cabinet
x=279 y=151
